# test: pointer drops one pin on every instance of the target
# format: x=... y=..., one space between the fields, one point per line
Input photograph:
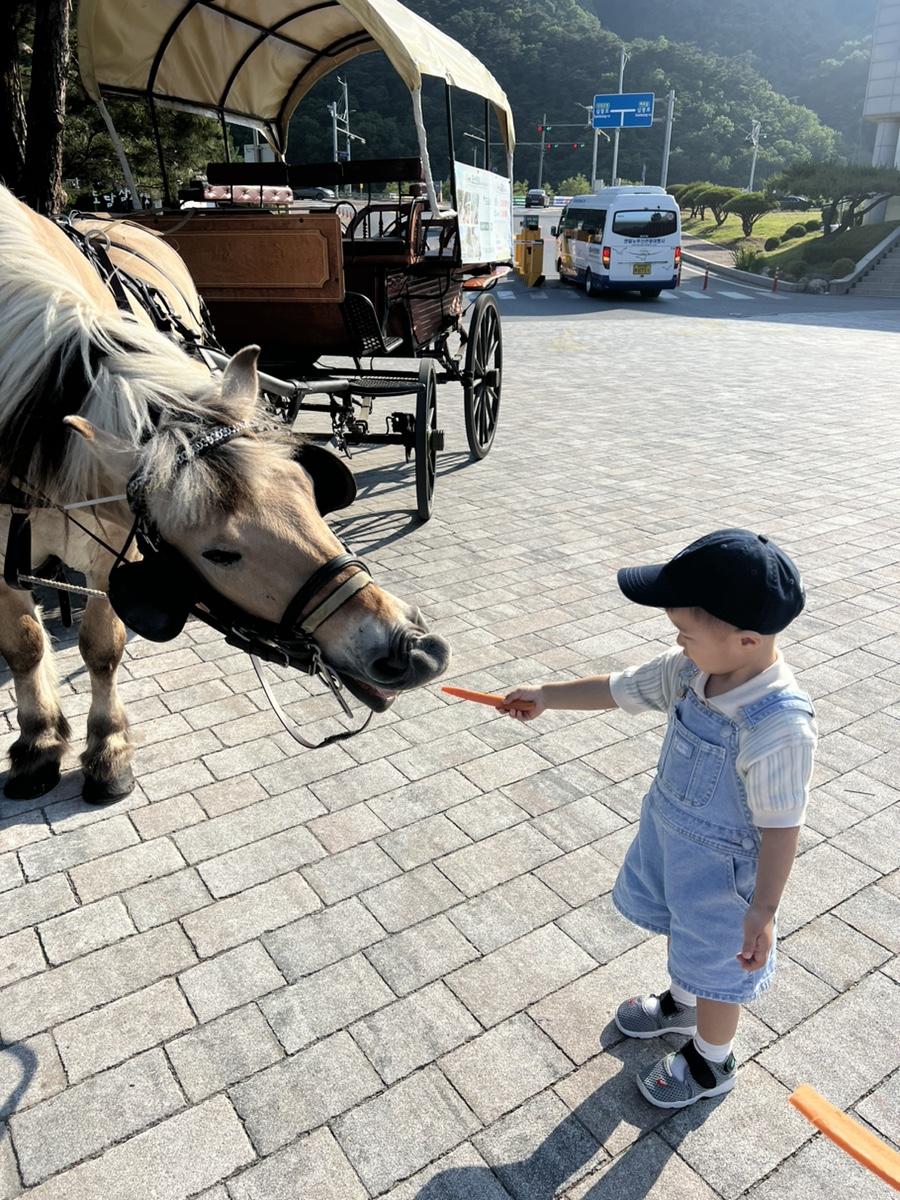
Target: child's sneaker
x=683 y=1078
x=649 y=1016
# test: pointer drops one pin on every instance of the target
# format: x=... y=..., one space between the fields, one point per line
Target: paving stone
x=834 y=951
x=347 y=827
x=820 y=1169
x=245 y=825
x=600 y=929
x=57 y=995
x=507 y=912
x=322 y=938
x=222 y=1052
x=359 y=783
x=460 y=1175
x=314 y=1168
x=401 y=1130
x=550 y=789
x=579 y=1016
x=485 y=815
x=875 y=841
x=30 y=1071
x=859 y=1018
x=578 y=823
x=490 y=862
x=509 y=979
x=795 y=994
x=820 y=879
x=127 y=868
x=322 y=1003
x=538 y=1147
x=346 y=874
x=579 y=876
x=22 y=829
x=303 y=1092
x=85 y=929
x=504 y=1067
x=20 y=955
x=503 y=767
x=414 y=1031
x=91 y=1116
x=424 y=841
x=10 y=1181
x=34 y=902
x=246 y=866
x=420 y=954
x=167 y=816
x=166 y=899
x=650 y=1171
x=421 y=799
x=225 y=795
x=243 y=917
x=81 y=845
x=411 y=897
x=881 y=1110
x=230 y=980
x=10 y=872
x=121 y=1029
x=177 y=1158
x=874 y=912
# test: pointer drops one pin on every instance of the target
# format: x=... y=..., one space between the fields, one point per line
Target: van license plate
x=641 y=269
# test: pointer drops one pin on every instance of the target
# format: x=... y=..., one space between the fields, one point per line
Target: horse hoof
x=102 y=791
x=29 y=787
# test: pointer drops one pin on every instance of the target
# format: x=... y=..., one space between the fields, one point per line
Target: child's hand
x=534 y=695
x=759 y=933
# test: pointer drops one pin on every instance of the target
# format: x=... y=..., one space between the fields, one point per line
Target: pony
x=120 y=453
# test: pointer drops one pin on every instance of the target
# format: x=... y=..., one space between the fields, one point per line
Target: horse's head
x=238 y=529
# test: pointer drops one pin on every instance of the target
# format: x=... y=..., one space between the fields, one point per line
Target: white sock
x=710 y=1051
x=680 y=996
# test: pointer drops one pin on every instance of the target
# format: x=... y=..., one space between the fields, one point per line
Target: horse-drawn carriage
x=372 y=284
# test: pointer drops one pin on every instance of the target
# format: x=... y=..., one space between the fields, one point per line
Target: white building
x=883 y=90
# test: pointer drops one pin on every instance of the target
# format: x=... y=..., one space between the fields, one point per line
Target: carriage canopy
x=253 y=61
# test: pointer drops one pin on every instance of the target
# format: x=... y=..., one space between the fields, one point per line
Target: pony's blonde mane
x=62 y=353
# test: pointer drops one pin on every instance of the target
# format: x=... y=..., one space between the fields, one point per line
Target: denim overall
x=690 y=872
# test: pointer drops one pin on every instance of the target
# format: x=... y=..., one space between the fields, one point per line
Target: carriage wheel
x=483 y=372
x=428 y=438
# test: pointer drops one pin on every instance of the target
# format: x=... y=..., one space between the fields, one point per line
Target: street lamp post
x=615 y=161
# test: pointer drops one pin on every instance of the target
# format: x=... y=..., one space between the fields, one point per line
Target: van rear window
x=645 y=224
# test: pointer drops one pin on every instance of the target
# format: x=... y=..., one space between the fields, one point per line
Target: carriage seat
x=247 y=194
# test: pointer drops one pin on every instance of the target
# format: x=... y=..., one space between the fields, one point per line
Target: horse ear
x=117 y=456
x=240 y=382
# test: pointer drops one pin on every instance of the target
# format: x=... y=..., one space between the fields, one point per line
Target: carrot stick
x=865 y=1147
x=487 y=698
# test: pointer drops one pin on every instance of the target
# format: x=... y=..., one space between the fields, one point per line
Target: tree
x=12 y=99
x=750 y=206
x=575 y=185
x=715 y=199
x=845 y=192
x=45 y=110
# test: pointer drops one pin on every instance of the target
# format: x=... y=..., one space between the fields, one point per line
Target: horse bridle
x=289 y=642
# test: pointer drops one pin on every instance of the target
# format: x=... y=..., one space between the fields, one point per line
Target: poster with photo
x=484 y=205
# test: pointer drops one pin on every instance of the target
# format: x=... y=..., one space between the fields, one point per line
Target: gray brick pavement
x=388 y=968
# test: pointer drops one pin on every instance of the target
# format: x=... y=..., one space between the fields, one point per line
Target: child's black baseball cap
x=740 y=577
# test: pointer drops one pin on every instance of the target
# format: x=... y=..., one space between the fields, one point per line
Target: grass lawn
x=813 y=250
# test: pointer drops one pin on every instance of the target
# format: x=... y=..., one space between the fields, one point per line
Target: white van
x=620 y=239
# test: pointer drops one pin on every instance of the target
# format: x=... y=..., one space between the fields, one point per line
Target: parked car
x=802 y=203
x=314 y=193
x=536 y=198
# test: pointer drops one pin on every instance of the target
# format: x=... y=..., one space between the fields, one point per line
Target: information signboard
x=628 y=110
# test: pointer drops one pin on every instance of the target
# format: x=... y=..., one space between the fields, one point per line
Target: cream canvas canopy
x=252 y=61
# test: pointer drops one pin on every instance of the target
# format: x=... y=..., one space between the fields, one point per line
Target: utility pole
x=670 y=116
x=755 y=139
x=540 y=181
x=615 y=161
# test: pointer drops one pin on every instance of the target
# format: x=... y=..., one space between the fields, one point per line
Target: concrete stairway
x=882 y=279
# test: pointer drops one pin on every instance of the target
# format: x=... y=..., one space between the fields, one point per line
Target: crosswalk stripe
x=696 y=295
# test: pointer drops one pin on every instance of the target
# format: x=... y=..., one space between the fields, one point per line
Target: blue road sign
x=629 y=110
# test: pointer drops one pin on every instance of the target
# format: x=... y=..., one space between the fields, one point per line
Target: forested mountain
x=816 y=50
x=551 y=57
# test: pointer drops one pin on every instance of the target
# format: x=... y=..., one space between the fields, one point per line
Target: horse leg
x=36 y=754
x=107 y=756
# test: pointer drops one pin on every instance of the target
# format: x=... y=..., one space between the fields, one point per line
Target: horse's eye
x=222 y=558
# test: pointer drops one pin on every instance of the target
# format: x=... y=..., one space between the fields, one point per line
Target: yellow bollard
x=529 y=255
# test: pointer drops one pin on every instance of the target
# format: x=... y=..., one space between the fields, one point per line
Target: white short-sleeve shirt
x=774 y=758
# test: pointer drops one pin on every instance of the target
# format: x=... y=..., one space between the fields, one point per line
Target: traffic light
x=548 y=146
x=540 y=129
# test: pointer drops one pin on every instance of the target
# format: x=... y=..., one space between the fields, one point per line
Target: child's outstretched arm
x=776 y=857
x=583 y=695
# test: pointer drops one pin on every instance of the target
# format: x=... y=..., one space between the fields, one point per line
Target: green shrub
x=746 y=259
x=842 y=267
x=797 y=270
x=795 y=231
x=788 y=235
x=772 y=243
x=812 y=225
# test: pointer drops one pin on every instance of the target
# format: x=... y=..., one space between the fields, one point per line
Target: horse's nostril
x=390 y=668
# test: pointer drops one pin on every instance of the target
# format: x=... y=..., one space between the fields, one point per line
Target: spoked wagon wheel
x=482 y=377
x=429 y=439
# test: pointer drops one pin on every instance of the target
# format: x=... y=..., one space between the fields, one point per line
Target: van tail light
x=606 y=257
x=677 y=257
